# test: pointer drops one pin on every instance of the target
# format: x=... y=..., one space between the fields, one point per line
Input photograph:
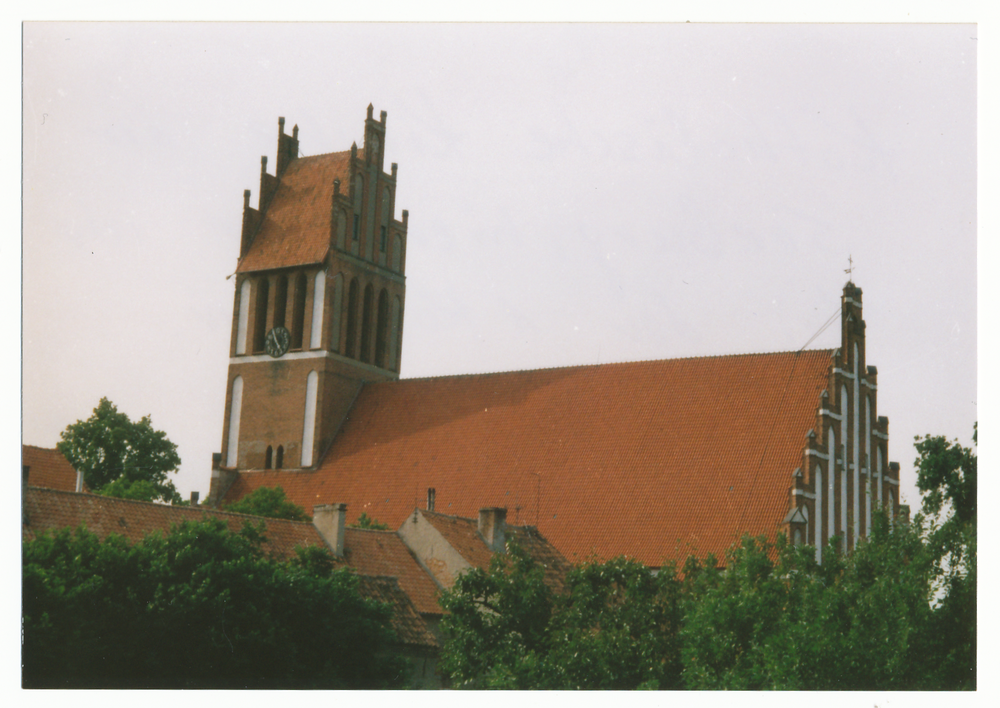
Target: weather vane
x=850 y=269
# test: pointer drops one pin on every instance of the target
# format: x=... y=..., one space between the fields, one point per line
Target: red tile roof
x=463 y=535
x=654 y=460
x=369 y=553
x=296 y=226
x=410 y=626
x=48 y=468
x=383 y=553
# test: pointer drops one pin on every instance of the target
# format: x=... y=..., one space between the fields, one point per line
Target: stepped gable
x=653 y=459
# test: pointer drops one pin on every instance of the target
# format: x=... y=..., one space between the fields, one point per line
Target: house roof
x=383 y=553
x=410 y=626
x=463 y=535
x=655 y=460
x=49 y=468
x=368 y=553
x=295 y=229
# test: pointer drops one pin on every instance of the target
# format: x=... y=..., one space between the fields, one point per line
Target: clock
x=276 y=342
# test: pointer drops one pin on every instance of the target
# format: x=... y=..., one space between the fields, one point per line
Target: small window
x=357 y=226
x=381 y=242
x=267 y=458
x=279 y=457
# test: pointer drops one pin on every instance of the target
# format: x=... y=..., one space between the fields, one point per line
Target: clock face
x=276 y=342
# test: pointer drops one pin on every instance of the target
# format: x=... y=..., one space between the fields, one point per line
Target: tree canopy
x=201 y=607
x=896 y=613
x=122 y=458
x=270 y=502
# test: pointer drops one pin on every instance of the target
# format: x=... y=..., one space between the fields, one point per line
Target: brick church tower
x=320 y=292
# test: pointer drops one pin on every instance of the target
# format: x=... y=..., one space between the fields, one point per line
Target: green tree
x=119 y=457
x=367 y=522
x=270 y=502
x=614 y=626
x=198 y=608
x=947 y=477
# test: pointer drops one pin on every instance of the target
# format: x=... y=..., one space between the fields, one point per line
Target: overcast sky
x=577 y=194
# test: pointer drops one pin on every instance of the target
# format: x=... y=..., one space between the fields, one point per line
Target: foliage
x=614 y=627
x=200 y=607
x=270 y=502
x=947 y=477
x=367 y=522
x=108 y=448
x=897 y=613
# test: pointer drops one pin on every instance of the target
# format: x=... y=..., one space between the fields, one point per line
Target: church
x=655 y=460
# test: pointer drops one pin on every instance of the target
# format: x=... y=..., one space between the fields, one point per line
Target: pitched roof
x=295 y=229
x=654 y=459
x=383 y=553
x=49 y=468
x=463 y=535
x=410 y=626
x=368 y=553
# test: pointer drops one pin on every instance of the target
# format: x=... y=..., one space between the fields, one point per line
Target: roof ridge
x=203 y=509
x=605 y=364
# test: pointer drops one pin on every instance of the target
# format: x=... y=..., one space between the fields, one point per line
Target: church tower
x=318 y=311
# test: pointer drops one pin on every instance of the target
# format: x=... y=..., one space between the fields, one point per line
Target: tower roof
x=295 y=230
x=655 y=459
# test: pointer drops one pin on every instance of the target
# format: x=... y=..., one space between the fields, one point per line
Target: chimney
x=329 y=520
x=492 y=527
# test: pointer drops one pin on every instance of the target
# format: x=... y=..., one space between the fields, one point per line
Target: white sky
x=577 y=194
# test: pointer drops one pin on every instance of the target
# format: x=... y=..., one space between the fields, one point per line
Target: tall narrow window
x=235 y=406
x=386 y=216
x=244 y=318
x=279 y=457
x=818 y=520
x=366 y=325
x=831 y=519
x=352 y=319
x=341 y=229
x=267 y=457
x=319 y=295
x=260 y=315
x=397 y=253
x=381 y=327
x=299 y=310
x=359 y=190
x=280 y=301
x=309 y=420
x=844 y=500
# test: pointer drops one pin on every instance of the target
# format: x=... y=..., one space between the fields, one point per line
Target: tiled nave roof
x=48 y=468
x=654 y=459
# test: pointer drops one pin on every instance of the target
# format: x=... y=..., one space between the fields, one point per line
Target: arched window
x=267 y=457
x=352 y=319
x=260 y=315
x=366 y=325
x=309 y=420
x=381 y=328
x=299 y=311
x=280 y=301
x=235 y=406
x=319 y=295
x=244 y=317
x=279 y=457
